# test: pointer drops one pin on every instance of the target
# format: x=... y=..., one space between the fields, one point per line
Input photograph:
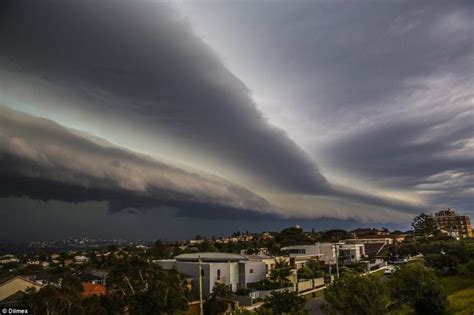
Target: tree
x=315 y=268
x=48 y=300
x=466 y=269
x=345 y=271
x=285 y=302
x=424 y=226
x=221 y=291
x=445 y=256
x=71 y=288
x=206 y=246
x=357 y=294
x=146 y=288
x=92 y=306
x=305 y=273
x=281 y=272
x=218 y=300
x=418 y=286
x=160 y=250
x=292 y=236
x=53 y=300
x=335 y=235
x=404 y=249
x=310 y=271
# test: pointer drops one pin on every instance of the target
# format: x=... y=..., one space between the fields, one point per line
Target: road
x=314 y=306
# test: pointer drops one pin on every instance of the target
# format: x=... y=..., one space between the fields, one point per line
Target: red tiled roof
x=93 y=289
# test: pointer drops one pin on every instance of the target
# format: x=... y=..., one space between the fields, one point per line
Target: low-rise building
x=13 y=285
x=9 y=259
x=81 y=259
x=91 y=289
x=326 y=253
x=236 y=271
x=351 y=253
x=372 y=245
x=300 y=254
x=93 y=276
x=269 y=261
x=370 y=240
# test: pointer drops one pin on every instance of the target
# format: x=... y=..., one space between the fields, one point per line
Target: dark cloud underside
x=45 y=161
x=137 y=62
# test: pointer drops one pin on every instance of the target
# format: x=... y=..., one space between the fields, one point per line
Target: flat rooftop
x=210 y=257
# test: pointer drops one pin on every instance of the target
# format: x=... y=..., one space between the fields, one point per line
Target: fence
x=310 y=284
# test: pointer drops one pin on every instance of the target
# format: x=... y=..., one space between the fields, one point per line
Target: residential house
x=9 y=259
x=93 y=276
x=370 y=240
x=14 y=284
x=269 y=261
x=372 y=245
x=300 y=254
x=81 y=259
x=351 y=253
x=236 y=271
x=91 y=289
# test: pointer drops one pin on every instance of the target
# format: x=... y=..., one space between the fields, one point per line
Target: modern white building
x=269 y=261
x=233 y=270
x=325 y=252
x=351 y=253
x=373 y=240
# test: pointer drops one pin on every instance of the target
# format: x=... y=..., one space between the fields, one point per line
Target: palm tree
x=221 y=291
x=218 y=301
x=281 y=272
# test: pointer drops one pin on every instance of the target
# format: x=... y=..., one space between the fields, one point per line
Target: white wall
x=235 y=274
x=259 y=271
x=328 y=252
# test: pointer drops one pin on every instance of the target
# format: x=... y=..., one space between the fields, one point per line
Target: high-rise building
x=453 y=223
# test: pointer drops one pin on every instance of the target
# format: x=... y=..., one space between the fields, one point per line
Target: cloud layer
x=136 y=63
x=379 y=95
x=45 y=161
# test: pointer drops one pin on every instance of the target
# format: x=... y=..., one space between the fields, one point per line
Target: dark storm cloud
x=387 y=84
x=382 y=88
x=45 y=161
x=343 y=59
x=432 y=157
x=92 y=220
x=137 y=62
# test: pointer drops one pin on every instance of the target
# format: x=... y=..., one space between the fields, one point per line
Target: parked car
x=389 y=270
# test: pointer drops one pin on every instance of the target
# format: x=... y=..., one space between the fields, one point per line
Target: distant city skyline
x=145 y=119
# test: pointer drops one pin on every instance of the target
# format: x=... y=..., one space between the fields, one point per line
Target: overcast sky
x=153 y=119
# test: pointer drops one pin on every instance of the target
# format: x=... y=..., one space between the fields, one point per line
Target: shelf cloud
x=255 y=112
x=139 y=64
x=45 y=161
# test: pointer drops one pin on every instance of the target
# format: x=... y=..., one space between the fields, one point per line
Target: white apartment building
x=325 y=252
